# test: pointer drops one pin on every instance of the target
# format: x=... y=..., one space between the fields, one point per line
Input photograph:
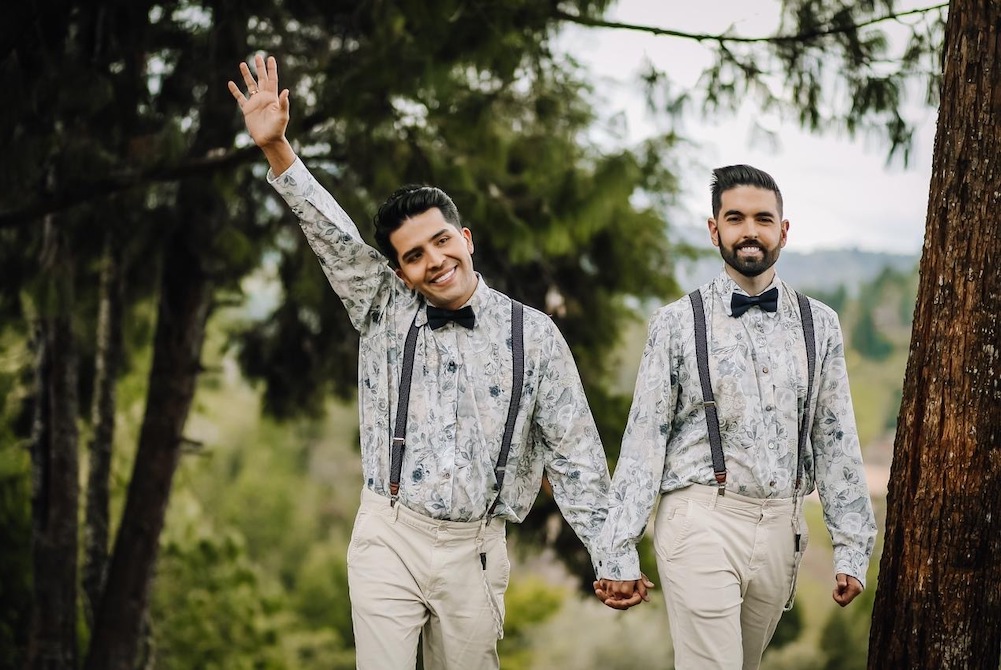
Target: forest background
x=178 y=433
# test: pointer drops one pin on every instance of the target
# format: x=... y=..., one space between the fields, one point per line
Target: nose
x=750 y=229
x=435 y=257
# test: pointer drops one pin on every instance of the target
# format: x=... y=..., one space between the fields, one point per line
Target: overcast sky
x=838 y=192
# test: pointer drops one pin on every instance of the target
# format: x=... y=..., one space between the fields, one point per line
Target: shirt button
x=446 y=475
x=764 y=370
x=451 y=366
x=772 y=483
x=768 y=408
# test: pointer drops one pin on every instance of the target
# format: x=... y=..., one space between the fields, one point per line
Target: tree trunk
x=108 y=358
x=52 y=639
x=937 y=604
x=184 y=305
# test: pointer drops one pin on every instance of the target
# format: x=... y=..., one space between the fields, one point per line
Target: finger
x=617 y=604
x=272 y=71
x=237 y=93
x=262 y=71
x=248 y=78
x=283 y=101
x=631 y=601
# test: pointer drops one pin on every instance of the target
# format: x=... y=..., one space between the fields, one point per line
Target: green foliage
x=212 y=608
x=867 y=339
x=845 y=638
x=789 y=629
x=529 y=602
x=15 y=554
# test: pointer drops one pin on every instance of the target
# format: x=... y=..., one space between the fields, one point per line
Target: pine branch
x=723 y=38
x=50 y=203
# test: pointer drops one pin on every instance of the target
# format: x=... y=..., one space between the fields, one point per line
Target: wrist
x=279 y=153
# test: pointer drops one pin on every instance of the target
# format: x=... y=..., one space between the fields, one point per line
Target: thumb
x=283 y=100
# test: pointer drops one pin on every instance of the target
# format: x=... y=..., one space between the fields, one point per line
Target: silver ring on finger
x=251 y=93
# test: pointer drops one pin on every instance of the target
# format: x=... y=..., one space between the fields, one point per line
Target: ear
x=468 y=235
x=785 y=233
x=399 y=273
x=713 y=231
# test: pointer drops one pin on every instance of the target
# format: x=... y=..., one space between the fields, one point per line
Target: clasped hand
x=621 y=595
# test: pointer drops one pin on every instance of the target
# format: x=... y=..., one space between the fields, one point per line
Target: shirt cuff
x=296 y=167
x=624 y=567
x=851 y=562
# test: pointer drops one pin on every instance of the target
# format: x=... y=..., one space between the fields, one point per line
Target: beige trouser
x=728 y=566
x=414 y=577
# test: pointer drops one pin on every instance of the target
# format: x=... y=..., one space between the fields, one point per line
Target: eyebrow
x=764 y=212
x=409 y=252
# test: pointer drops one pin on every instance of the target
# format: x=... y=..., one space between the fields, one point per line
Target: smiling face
x=435 y=258
x=749 y=231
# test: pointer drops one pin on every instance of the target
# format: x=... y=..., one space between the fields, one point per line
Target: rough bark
x=107 y=361
x=937 y=603
x=183 y=308
x=52 y=639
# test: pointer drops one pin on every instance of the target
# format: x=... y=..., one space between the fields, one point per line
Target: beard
x=747 y=266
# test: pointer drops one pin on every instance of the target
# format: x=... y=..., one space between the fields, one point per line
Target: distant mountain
x=823 y=270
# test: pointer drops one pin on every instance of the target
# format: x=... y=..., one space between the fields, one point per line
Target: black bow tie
x=438 y=317
x=768 y=301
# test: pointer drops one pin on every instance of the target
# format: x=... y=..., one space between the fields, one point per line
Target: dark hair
x=405 y=202
x=731 y=176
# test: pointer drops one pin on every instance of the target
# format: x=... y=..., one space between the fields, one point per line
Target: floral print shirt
x=758 y=369
x=460 y=388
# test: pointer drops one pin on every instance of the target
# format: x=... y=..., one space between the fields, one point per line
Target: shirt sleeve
x=640 y=468
x=358 y=273
x=840 y=475
x=573 y=456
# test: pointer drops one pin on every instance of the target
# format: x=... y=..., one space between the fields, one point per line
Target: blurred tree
x=866 y=337
x=935 y=606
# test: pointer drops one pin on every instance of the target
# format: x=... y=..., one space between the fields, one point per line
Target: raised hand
x=265 y=111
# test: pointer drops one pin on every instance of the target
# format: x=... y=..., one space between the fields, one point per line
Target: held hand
x=622 y=595
x=847 y=589
x=265 y=111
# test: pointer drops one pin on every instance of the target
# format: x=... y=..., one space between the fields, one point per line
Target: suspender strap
x=518 y=378
x=402 y=409
x=708 y=400
x=806 y=314
x=403 y=405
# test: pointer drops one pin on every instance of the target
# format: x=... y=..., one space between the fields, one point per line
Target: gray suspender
x=403 y=406
x=518 y=376
x=709 y=402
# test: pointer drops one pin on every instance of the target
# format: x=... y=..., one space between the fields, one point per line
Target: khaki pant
x=728 y=566
x=412 y=577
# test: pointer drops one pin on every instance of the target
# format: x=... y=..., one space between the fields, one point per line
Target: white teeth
x=444 y=277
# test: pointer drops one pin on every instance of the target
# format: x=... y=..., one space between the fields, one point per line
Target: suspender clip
x=721 y=483
x=709 y=403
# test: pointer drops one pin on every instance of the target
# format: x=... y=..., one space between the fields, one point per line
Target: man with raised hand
x=460 y=412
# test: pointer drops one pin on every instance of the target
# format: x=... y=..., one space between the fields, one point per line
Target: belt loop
x=712 y=500
x=395 y=509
